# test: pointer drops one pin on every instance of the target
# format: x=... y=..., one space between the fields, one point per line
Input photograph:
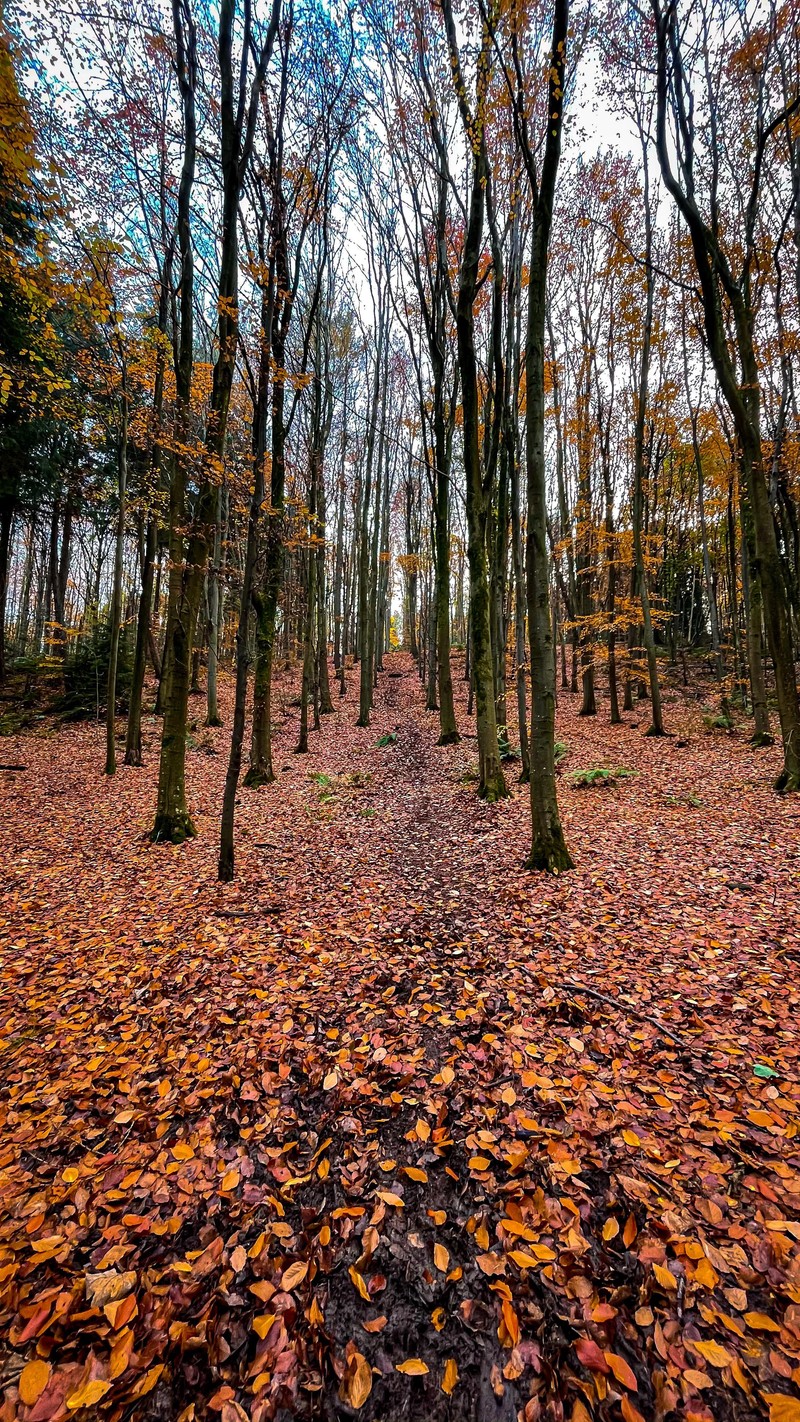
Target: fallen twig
x=625 y=1007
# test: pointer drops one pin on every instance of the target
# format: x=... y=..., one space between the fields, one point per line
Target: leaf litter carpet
x=390 y=1128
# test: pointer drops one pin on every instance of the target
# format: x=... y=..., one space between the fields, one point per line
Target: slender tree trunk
x=548 y=847
x=133 y=740
x=762 y=735
x=492 y=785
x=6 y=524
x=116 y=595
x=214 y=594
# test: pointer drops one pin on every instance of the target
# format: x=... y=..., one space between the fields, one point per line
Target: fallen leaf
x=33 y=1380
x=450 y=1378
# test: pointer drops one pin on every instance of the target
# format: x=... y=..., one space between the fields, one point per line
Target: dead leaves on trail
x=377 y=1144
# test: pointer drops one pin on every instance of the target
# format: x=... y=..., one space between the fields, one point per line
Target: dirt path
x=353 y=1113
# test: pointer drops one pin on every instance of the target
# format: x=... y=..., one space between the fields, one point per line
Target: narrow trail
x=352 y=1114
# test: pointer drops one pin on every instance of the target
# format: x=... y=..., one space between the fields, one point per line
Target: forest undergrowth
x=390 y=1127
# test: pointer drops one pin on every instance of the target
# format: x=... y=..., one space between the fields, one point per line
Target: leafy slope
x=350 y=1137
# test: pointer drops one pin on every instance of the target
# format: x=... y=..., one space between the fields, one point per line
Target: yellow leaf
x=479 y=1162
x=413 y=1368
x=441 y=1257
x=762 y=1321
x=611 y=1228
x=450 y=1376
x=359 y=1384
x=88 y=1395
x=543 y=1252
x=263 y=1323
x=331 y=1080
x=630 y=1138
x=741 y=1377
x=523 y=1260
x=423 y=1130
x=447 y=1074
x=414 y=1173
x=230 y=1180
x=438 y=1319
x=70 y=1175
x=665 y=1278
x=182 y=1151
x=359 y=1283
x=782 y=1407
x=714 y=1354
x=389 y=1198
x=33 y=1380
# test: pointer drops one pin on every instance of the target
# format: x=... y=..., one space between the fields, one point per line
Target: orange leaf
x=450 y=1376
x=263 y=1323
x=413 y=1367
x=33 y=1380
x=359 y=1381
x=375 y=1325
x=294 y=1275
x=622 y=1372
x=782 y=1407
x=629 y=1412
x=762 y=1321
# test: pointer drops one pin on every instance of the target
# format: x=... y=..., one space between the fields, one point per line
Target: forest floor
x=389 y=1127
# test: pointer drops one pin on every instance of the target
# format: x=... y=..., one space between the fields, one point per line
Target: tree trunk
x=116 y=595
x=548 y=847
x=133 y=740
